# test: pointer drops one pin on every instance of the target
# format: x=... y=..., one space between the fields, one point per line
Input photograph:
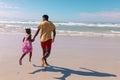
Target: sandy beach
x=72 y=58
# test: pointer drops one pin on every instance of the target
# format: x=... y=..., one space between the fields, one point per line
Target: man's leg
x=48 y=47
x=46 y=50
x=46 y=56
x=43 y=58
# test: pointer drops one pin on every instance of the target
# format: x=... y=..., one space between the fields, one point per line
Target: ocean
x=66 y=28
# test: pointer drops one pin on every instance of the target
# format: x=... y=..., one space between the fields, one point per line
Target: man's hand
x=35 y=35
x=54 y=34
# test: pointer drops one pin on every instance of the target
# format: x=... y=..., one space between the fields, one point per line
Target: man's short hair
x=45 y=17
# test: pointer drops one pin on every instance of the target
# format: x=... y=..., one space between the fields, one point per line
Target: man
x=46 y=38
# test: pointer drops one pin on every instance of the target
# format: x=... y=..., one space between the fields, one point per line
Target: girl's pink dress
x=27 y=46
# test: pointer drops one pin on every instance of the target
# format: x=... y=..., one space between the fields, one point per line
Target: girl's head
x=28 y=30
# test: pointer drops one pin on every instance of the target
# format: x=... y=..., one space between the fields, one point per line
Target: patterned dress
x=27 y=45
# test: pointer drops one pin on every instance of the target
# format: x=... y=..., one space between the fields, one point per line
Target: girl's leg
x=20 y=61
x=30 y=56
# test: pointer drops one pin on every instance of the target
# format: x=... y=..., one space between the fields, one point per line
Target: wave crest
x=89 y=24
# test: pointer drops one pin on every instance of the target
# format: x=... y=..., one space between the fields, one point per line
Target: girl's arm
x=29 y=38
x=23 y=39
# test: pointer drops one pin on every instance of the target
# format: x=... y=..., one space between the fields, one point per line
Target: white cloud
x=8 y=14
x=16 y=15
x=7 y=6
x=101 y=16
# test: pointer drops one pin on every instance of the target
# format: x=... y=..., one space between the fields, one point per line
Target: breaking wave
x=89 y=24
x=66 y=29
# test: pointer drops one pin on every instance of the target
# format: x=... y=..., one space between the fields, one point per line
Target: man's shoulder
x=46 y=23
x=43 y=22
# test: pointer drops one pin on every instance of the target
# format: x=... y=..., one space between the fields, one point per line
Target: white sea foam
x=15 y=26
x=87 y=34
x=34 y=29
x=63 y=24
x=64 y=32
x=89 y=24
x=116 y=32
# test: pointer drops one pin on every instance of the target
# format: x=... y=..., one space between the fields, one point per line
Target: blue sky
x=61 y=10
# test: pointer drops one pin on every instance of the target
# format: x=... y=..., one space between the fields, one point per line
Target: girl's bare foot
x=29 y=60
x=20 y=62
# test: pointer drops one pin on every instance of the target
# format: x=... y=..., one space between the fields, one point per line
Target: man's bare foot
x=43 y=63
x=47 y=64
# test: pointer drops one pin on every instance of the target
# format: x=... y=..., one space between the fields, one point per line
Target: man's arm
x=54 y=35
x=36 y=34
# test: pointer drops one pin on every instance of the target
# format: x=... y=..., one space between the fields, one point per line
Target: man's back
x=46 y=28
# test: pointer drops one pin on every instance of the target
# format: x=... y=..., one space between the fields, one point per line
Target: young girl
x=27 y=45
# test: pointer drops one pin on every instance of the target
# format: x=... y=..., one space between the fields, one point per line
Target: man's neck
x=45 y=20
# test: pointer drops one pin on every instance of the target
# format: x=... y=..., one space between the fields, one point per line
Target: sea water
x=66 y=28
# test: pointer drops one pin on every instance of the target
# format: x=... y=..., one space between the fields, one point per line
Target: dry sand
x=72 y=58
